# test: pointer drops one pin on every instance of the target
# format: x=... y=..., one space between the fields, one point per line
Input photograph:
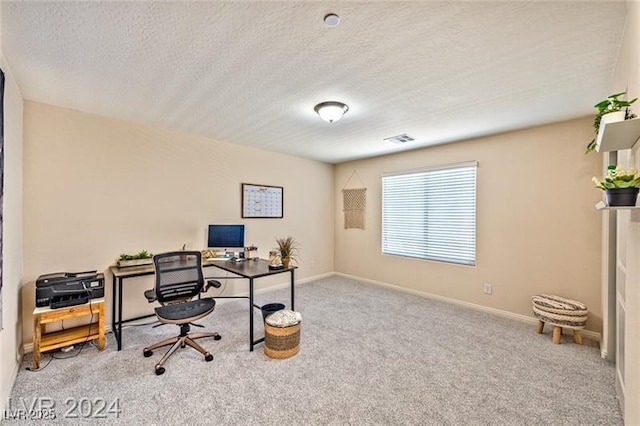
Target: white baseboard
x=316 y=277
x=5 y=392
x=518 y=317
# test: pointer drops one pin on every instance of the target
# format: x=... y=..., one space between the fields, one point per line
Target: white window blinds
x=431 y=213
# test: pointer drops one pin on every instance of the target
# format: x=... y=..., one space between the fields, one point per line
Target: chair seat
x=185 y=312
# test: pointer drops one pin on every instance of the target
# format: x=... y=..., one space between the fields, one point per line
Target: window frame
x=462 y=250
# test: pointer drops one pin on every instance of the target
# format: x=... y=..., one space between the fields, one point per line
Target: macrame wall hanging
x=354 y=201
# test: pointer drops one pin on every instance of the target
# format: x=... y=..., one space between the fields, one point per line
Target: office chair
x=178 y=279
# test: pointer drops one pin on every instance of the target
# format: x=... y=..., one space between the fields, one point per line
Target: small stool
x=560 y=312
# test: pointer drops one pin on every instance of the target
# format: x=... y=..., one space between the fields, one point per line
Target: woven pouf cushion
x=560 y=312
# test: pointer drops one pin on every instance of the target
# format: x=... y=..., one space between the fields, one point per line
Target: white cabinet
x=621 y=259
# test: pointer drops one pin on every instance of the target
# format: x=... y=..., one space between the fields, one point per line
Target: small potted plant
x=610 y=110
x=143 y=257
x=287 y=250
x=621 y=186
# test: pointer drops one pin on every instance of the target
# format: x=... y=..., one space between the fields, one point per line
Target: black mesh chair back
x=179 y=279
x=179 y=276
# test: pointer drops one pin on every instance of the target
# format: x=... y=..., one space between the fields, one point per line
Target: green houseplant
x=143 y=257
x=614 y=109
x=621 y=186
x=288 y=250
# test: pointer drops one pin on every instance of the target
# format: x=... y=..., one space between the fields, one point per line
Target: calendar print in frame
x=262 y=201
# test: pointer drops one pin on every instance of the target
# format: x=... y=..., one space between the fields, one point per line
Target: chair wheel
x=217 y=337
x=159 y=370
x=147 y=353
x=208 y=357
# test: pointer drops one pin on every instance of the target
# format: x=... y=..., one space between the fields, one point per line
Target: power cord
x=224 y=286
x=139 y=325
x=42 y=367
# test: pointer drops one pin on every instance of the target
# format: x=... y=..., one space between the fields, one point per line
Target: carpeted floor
x=369 y=355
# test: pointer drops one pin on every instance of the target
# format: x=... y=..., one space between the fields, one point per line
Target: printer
x=61 y=289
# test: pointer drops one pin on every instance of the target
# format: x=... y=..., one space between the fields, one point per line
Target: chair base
x=180 y=341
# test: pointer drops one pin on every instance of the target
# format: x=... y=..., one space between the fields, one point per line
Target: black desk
x=249 y=269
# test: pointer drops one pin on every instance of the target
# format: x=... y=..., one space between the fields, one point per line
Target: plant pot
x=134 y=262
x=285 y=262
x=622 y=197
x=612 y=117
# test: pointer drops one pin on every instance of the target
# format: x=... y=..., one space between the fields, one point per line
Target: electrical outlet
x=312 y=264
x=486 y=288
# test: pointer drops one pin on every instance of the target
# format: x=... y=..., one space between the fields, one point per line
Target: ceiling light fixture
x=331 y=111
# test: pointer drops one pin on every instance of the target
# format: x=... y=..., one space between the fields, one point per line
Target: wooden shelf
x=59 y=339
x=618 y=135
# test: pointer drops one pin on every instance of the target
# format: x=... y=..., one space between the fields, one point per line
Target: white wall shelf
x=618 y=135
x=602 y=206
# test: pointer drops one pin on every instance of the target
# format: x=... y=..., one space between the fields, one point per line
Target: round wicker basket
x=281 y=342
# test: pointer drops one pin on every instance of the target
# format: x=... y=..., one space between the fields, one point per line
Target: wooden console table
x=43 y=341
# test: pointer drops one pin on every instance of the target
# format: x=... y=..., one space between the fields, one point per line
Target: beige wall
x=537 y=229
x=96 y=187
x=11 y=334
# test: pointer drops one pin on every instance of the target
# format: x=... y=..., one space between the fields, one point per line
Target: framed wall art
x=262 y=201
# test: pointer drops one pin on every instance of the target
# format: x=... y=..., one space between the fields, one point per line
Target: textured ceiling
x=250 y=73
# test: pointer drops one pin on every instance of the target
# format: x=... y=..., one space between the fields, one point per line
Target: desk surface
x=247 y=268
x=129 y=271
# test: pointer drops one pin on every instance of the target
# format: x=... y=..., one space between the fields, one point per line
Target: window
x=431 y=213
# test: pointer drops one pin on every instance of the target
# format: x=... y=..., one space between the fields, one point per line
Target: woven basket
x=281 y=342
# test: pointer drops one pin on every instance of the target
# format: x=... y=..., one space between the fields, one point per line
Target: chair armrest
x=151 y=296
x=212 y=283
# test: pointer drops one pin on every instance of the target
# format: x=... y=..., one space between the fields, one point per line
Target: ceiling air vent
x=404 y=138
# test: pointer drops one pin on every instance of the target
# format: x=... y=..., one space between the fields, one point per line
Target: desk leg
x=114 y=322
x=293 y=294
x=251 y=314
x=119 y=313
x=36 y=342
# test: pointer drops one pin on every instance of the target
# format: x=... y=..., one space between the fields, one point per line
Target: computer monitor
x=225 y=236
